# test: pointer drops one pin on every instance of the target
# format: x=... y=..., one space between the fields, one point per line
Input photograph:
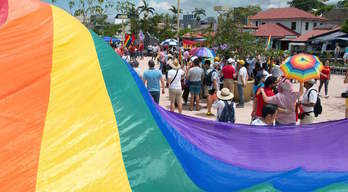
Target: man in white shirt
x=308 y=101
x=175 y=75
x=242 y=82
x=214 y=87
x=269 y=113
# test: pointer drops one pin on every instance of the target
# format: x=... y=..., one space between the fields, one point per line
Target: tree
x=231 y=40
x=345 y=26
x=174 y=10
x=323 y=9
x=343 y=4
x=129 y=8
x=197 y=13
x=87 y=8
x=241 y=14
x=146 y=9
x=307 y=5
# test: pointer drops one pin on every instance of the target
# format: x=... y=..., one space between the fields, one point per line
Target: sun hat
x=241 y=62
x=225 y=94
x=216 y=59
x=230 y=60
x=174 y=64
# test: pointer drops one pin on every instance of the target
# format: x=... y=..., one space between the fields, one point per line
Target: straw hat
x=174 y=64
x=225 y=94
x=216 y=59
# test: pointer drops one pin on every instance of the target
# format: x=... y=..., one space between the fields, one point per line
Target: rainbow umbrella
x=302 y=67
x=76 y=117
x=203 y=52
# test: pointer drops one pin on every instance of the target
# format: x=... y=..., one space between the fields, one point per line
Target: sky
x=162 y=6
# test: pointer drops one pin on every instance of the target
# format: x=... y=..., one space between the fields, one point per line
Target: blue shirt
x=346 y=49
x=153 y=76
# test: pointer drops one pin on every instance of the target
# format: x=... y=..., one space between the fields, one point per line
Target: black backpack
x=207 y=79
x=227 y=114
x=317 y=107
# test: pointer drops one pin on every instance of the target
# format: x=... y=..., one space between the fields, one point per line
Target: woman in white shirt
x=175 y=75
x=269 y=113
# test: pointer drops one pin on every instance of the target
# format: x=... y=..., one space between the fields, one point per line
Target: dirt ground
x=333 y=107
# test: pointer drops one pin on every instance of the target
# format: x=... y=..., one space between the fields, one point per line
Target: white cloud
x=160 y=6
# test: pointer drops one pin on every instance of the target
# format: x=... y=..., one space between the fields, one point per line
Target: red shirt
x=228 y=72
x=325 y=71
x=259 y=100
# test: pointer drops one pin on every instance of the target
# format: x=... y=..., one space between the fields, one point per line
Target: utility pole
x=178 y=28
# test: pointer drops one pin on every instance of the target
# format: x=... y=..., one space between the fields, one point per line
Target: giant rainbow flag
x=75 y=117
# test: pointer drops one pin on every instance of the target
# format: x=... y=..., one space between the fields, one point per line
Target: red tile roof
x=285 y=13
x=314 y=33
x=276 y=30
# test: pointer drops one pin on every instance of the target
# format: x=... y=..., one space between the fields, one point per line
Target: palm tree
x=146 y=9
x=174 y=10
x=197 y=14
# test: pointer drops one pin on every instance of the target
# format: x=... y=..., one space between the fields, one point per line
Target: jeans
x=326 y=84
x=155 y=95
x=241 y=94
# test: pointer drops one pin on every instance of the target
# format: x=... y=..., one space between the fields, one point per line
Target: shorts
x=195 y=87
x=211 y=91
x=175 y=95
x=229 y=83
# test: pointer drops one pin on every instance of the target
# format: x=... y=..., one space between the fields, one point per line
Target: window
x=315 y=24
x=293 y=25
x=307 y=26
x=257 y=23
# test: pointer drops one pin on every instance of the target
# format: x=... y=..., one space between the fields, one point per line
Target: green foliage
x=241 y=14
x=345 y=26
x=239 y=43
x=343 y=4
x=307 y=5
x=112 y=30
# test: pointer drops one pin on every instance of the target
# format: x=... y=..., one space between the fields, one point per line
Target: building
x=188 y=21
x=294 y=19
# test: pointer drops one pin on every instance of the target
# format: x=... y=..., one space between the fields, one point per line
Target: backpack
x=227 y=114
x=207 y=79
x=317 y=106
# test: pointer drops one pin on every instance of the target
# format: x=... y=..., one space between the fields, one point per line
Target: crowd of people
x=275 y=102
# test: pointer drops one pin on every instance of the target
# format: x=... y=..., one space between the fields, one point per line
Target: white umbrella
x=170 y=42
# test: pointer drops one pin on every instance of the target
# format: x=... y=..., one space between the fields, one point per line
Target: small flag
x=268 y=44
x=141 y=35
x=128 y=40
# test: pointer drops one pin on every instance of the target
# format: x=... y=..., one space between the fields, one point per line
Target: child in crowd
x=225 y=106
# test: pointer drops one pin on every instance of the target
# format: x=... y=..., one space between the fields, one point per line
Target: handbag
x=344 y=94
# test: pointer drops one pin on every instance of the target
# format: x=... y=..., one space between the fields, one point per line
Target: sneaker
x=326 y=96
x=210 y=114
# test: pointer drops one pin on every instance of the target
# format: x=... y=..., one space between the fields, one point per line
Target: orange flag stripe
x=25 y=67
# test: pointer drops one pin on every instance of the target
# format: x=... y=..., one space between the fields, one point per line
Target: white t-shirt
x=138 y=72
x=176 y=84
x=214 y=76
x=311 y=99
x=242 y=74
x=258 y=122
x=219 y=105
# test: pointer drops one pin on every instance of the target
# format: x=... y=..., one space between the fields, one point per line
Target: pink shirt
x=285 y=100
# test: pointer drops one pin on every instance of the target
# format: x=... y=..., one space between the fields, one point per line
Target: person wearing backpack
x=309 y=101
x=225 y=106
x=212 y=82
